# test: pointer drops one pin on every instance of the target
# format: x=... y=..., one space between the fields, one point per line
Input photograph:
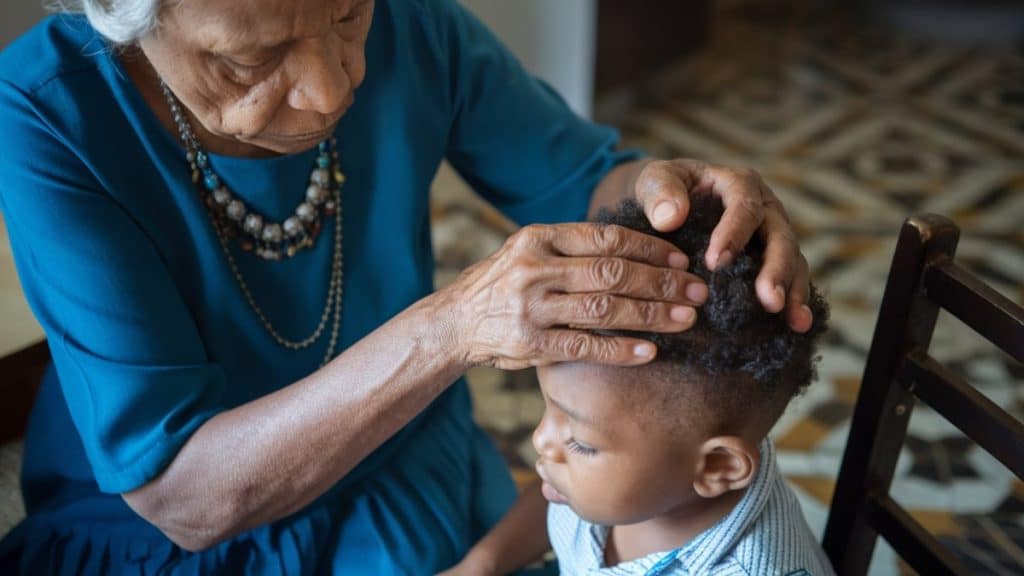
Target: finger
x=798 y=314
x=604 y=311
x=627 y=278
x=743 y=195
x=591 y=239
x=782 y=263
x=663 y=189
x=563 y=345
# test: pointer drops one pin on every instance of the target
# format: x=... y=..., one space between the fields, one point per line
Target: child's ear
x=725 y=463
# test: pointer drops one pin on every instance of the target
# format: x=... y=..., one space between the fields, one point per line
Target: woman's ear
x=725 y=463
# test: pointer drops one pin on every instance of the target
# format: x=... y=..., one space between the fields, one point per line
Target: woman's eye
x=247 y=71
x=354 y=15
x=249 y=66
x=581 y=449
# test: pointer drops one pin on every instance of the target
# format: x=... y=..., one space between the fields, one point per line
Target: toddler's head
x=624 y=445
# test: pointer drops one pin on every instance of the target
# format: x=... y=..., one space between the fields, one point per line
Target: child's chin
x=606 y=518
x=596 y=520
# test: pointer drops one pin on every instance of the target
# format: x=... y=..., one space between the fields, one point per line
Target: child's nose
x=544 y=441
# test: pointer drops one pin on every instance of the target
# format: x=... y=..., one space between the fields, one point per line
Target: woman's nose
x=319 y=83
x=545 y=441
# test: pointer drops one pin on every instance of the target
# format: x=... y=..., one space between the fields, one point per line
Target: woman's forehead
x=233 y=26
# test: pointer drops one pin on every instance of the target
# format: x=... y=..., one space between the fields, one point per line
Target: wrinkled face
x=610 y=461
x=276 y=74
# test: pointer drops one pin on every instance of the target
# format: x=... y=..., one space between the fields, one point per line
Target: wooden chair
x=923 y=279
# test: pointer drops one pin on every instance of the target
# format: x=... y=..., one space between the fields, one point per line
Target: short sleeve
x=514 y=139
x=131 y=363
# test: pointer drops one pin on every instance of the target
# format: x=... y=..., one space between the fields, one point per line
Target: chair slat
x=923 y=279
x=978 y=305
x=910 y=540
x=969 y=410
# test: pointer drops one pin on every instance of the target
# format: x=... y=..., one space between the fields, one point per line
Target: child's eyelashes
x=581 y=449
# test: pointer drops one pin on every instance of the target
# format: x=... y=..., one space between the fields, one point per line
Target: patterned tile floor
x=853 y=132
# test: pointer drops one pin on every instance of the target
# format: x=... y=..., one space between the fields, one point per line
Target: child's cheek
x=601 y=497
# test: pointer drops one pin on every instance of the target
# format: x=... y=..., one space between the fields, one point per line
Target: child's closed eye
x=581 y=449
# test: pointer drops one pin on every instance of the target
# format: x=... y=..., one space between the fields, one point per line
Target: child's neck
x=668 y=531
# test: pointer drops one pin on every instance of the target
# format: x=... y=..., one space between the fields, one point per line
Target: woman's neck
x=668 y=531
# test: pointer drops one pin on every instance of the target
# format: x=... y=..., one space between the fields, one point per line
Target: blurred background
x=857 y=114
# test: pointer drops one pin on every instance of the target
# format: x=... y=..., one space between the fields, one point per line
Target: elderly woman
x=219 y=213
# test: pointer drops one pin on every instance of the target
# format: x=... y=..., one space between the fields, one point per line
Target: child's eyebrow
x=587 y=421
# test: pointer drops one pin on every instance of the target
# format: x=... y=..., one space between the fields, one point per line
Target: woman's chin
x=277 y=146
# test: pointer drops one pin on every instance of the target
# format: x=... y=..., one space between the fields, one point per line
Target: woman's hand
x=519 y=539
x=663 y=187
x=467 y=568
x=536 y=300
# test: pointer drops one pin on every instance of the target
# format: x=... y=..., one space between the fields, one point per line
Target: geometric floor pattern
x=853 y=132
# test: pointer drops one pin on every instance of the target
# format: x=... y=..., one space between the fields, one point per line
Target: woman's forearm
x=616 y=185
x=270 y=457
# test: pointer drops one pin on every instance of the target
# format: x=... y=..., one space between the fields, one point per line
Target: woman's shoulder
x=437 y=22
x=61 y=87
x=60 y=45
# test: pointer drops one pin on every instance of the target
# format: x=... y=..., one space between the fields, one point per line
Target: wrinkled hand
x=478 y=562
x=536 y=300
x=463 y=569
x=663 y=188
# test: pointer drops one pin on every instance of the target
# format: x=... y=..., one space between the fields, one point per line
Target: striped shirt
x=764 y=534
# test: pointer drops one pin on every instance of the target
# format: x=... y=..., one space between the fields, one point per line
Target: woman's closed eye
x=354 y=14
x=351 y=26
x=245 y=70
x=581 y=449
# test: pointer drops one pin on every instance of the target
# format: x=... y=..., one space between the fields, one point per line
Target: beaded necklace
x=271 y=240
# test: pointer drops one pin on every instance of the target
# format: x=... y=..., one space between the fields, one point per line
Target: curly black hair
x=746 y=356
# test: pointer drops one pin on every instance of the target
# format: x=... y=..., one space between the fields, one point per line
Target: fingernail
x=781 y=293
x=643 y=350
x=724 y=258
x=678 y=260
x=681 y=314
x=807 y=310
x=663 y=212
x=697 y=292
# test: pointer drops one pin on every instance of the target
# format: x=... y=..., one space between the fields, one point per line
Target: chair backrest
x=923 y=279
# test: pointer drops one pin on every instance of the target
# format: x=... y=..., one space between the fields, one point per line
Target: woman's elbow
x=192 y=542
x=192 y=526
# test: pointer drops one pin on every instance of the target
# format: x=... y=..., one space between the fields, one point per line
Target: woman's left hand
x=471 y=565
x=663 y=188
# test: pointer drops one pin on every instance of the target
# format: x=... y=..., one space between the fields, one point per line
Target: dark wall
x=636 y=38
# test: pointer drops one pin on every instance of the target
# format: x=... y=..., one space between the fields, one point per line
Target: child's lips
x=548 y=490
x=552 y=495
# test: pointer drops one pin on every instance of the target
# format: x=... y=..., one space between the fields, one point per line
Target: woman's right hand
x=537 y=299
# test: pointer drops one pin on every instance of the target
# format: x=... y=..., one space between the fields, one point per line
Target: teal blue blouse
x=149 y=331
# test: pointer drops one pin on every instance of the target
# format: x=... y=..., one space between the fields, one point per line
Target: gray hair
x=120 y=21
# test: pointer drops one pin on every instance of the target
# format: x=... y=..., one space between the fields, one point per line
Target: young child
x=667 y=468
